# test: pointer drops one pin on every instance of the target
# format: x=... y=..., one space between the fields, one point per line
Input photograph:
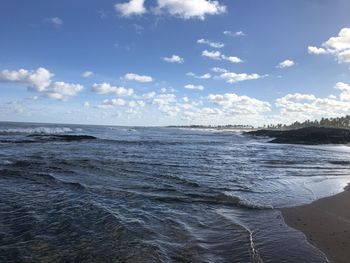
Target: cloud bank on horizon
x=142 y=62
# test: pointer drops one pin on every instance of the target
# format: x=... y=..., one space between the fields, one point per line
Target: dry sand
x=326 y=224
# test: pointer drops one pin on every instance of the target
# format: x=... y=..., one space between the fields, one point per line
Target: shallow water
x=156 y=194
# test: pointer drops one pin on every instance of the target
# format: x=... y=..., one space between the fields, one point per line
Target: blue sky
x=161 y=62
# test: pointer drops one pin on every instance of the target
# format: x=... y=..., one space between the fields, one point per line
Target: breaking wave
x=37 y=130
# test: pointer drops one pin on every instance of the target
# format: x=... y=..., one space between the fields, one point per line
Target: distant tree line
x=339 y=122
x=229 y=126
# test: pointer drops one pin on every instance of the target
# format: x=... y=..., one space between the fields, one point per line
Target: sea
x=77 y=193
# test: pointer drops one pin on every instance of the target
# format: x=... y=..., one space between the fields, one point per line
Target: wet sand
x=326 y=224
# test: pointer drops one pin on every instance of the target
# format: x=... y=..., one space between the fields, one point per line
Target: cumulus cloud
x=286 y=64
x=211 y=44
x=55 y=21
x=232 y=103
x=316 y=50
x=345 y=91
x=232 y=59
x=338 y=46
x=212 y=54
x=194 y=87
x=204 y=76
x=190 y=9
x=63 y=91
x=136 y=104
x=232 y=77
x=106 y=88
x=166 y=104
x=308 y=106
x=234 y=34
x=219 y=70
x=174 y=59
x=164 y=99
x=40 y=80
x=87 y=74
x=133 y=7
x=149 y=95
x=138 y=78
x=216 y=55
x=167 y=90
x=113 y=103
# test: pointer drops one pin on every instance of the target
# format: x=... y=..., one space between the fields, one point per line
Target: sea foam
x=40 y=130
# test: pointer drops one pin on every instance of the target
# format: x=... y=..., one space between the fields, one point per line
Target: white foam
x=44 y=130
x=248 y=204
x=5 y=162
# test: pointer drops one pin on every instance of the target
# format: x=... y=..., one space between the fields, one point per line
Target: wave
x=212 y=199
x=253 y=205
x=35 y=138
x=61 y=137
x=37 y=130
x=5 y=162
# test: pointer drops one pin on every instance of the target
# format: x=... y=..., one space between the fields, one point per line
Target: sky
x=174 y=62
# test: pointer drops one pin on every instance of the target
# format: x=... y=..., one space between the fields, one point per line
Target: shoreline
x=307 y=136
x=325 y=223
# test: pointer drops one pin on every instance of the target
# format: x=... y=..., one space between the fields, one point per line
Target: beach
x=326 y=224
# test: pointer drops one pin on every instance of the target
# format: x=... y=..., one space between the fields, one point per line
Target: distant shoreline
x=308 y=136
x=325 y=223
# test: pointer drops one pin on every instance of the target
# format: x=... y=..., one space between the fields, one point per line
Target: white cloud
x=212 y=54
x=216 y=55
x=232 y=103
x=294 y=101
x=194 y=87
x=149 y=95
x=209 y=111
x=40 y=80
x=136 y=104
x=133 y=7
x=211 y=44
x=138 y=78
x=219 y=70
x=63 y=91
x=234 y=34
x=87 y=74
x=106 y=88
x=166 y=104
x=174 y=59
x=204 y=76
x=232 y=77
x=87 y=104
x=55 y=21
x=316 y=50
x=113 y=102
x=164 y=99
x=339 y=43
x=171 y=111
x=345 y=91
x=168 y=90
x=338 y=46
x=190 y=9
x=308 y=106
x=232 y=59
x=286 y=64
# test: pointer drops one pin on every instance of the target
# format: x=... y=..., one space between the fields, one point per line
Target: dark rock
x=310 y=135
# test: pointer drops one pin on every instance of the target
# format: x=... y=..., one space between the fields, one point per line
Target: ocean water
x=156 y=194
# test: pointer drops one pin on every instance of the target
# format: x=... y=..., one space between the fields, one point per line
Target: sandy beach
x=326 y=224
